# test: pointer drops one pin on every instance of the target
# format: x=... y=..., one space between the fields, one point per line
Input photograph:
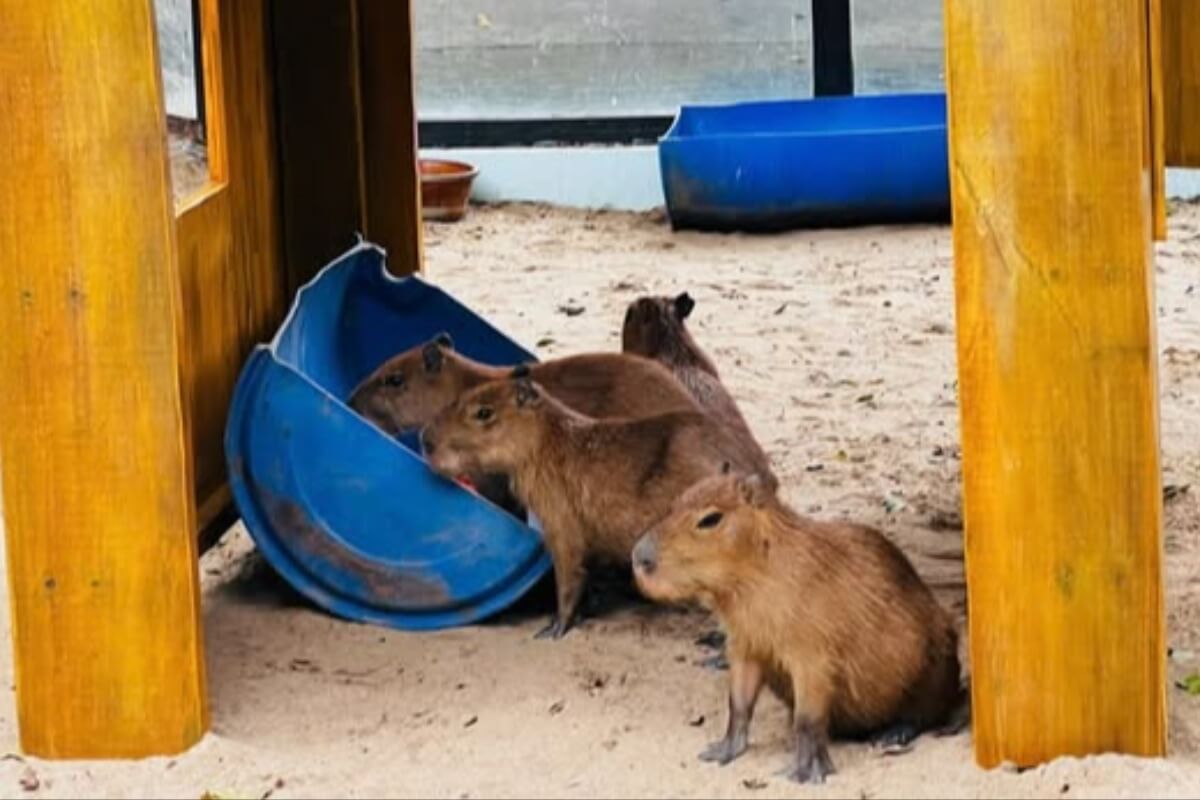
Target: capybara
x=409 y=389
x=831 y=616
x=655 y=327
x=594 y=484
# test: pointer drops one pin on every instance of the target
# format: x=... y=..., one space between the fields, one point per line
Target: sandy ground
x=839 y=345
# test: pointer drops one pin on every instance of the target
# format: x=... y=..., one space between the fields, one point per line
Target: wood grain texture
x=1181 y=81
x=229 y=240
x=1052 y=235
x=97 y=486
x=316 y=73
x=389 y=131
x=1157 y=143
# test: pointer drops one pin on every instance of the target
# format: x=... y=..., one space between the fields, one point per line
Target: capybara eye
x=394 y=380
x=484 y=413
x=711 y=520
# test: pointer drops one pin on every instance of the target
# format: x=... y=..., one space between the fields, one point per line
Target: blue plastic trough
x=352 y=518
x=805 y=163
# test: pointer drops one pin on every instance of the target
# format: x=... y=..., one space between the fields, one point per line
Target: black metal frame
x=833 y=54
x=833 y=74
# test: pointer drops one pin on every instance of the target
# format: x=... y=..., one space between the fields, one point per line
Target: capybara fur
x=831 y=616
x=409 y=389
x=655 y=327
x=594 y=484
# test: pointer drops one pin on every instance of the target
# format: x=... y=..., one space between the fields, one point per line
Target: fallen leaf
x=557 y=707
x=1173 y=490
x=892 y=504
x=545 y=342
x=814 y=467
x=1190 y=684
x=483 y=21
x=754 y=784
x=29 y=780
x=571 y=310
x=945 y=521
x=471 y=721
x=696 y=721
x=781 y=309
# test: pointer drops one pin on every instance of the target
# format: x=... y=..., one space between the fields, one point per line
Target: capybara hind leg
x=570 y=578
x=812 y=764
x=745 y=684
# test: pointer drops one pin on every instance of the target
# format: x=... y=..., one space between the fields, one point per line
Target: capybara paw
x=813 y=770
x=897 y=739
x=555 y=630
x=717 y=663
x=713 y=640
x=723 y=751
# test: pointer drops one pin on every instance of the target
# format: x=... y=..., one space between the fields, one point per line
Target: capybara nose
x=428 y=445
x=645 y=555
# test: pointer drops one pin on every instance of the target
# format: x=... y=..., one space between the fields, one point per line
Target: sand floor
x=840 y=347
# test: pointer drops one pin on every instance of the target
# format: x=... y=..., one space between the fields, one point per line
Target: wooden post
x=1051 y=162
x=315 y=75
x=97 y=491
x=392 y=187
x=1181 y=81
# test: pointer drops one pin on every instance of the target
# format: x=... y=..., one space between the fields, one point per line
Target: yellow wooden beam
x=388 y=119
x=1051 y=176
x=97 y=490
x=1181 y=81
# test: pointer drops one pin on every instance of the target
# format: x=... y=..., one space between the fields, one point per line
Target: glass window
x=898 y=46
x=544 y=58
x=178 y=48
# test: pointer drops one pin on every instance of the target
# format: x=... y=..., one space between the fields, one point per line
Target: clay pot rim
x=464 y=171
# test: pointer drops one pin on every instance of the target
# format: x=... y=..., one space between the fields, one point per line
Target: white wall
x=611 y=177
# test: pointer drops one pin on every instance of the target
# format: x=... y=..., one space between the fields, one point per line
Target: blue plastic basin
x=806 y=163
x=352 y=518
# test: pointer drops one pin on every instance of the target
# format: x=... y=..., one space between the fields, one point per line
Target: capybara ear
x=527 y=393
x=754 y=490
x=443 y=340
x=683 y=306
x=433 y=357
x=520 y=371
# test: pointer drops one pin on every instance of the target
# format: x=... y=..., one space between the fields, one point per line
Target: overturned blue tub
x=352 y=518
x=774 y=165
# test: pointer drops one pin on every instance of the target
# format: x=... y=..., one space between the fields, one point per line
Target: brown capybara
x=655 y=328
x=831 y=616
x=408 y=390
x=594 y=484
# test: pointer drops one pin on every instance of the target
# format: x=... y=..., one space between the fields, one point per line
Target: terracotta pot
x=445 y=188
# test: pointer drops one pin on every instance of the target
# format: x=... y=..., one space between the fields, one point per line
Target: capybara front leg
x=745 y=683
x=811 y=693
x=570 y=578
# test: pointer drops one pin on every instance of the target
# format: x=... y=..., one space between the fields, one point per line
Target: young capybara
x=594 y=484
x=655 y=328
x=831 y=616
x=409 y=389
